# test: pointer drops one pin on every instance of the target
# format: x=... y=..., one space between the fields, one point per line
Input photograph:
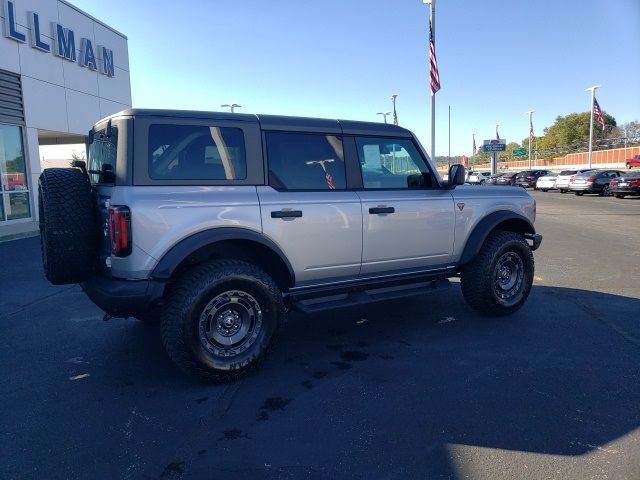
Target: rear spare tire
x=67 y=225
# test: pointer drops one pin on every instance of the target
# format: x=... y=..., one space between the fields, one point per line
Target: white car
x=547 y=182
x=478 y=178
x=562 y=180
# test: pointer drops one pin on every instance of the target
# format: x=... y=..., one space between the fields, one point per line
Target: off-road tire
x=67 y=225
x=478 y=276
x=187 y=301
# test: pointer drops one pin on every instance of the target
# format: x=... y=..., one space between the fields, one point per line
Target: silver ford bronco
x=215 y=224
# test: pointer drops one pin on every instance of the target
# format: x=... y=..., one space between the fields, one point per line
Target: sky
x=344 y=59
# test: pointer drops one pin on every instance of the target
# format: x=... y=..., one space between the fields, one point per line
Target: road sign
x=520 y=152
x=494 y=147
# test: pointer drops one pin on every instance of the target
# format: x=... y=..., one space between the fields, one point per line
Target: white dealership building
x=61 y=70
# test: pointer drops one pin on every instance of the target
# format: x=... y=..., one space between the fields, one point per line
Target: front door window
x=14 y=188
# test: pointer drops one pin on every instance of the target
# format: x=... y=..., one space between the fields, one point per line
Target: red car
x=633 y=162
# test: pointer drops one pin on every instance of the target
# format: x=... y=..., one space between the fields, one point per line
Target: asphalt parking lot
x=405 y=389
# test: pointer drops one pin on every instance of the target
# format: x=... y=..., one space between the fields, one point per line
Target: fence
x=611 y=157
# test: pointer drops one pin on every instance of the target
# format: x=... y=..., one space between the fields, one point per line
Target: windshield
x=102 y=156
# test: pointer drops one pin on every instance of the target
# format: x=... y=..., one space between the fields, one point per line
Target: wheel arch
x=500 y=220
x=227 y=242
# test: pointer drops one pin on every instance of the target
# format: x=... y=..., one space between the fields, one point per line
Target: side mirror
x=456 y=175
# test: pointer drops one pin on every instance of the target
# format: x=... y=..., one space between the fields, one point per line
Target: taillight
x=613 y=183
x=635 y=182
x=120 y=231
x=590 y=179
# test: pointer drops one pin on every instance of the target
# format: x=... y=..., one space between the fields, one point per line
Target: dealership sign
x=64 y=41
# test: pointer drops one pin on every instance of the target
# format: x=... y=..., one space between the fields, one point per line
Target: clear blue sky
x=344 y=58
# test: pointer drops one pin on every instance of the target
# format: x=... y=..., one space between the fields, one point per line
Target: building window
x=14 y=187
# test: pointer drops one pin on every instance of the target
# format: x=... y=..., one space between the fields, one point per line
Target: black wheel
x=579 y=193
x=498 y=281
x=545 y=189
x=629 y=166
x=67 y=225
x=606 y=191
x=220 y=319
x=619 y=195
x=562 y=190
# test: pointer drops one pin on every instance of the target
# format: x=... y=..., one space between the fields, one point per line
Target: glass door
x=14 y=187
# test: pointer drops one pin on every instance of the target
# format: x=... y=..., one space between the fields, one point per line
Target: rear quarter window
x=196 y=152
x=102 y=156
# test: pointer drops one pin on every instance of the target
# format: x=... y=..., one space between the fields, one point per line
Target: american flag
x=433 y=63
x=598 y=113
x=330 y=183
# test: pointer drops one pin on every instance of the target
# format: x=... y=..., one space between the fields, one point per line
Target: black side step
x=362 y=297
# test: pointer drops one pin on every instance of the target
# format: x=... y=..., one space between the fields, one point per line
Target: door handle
x=381 y=209
x=286 y=214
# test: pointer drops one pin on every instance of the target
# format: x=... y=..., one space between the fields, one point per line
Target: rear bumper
x=585 y=187
x=123 y=298
x=626 y=190
x=535 y=238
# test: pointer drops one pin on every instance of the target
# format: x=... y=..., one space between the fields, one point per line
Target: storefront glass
x=14 y=187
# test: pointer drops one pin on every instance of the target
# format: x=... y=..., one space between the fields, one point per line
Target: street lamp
x=530 y=113
x=232 y=106
x=395 y=114
x=384 y=114
x=593 y=96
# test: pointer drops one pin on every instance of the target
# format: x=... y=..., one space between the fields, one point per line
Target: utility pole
x=384 y=114
x=593 y=96
x=530 y=112
x=232 y=106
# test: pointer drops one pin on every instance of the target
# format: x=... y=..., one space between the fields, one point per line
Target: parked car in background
x=528 y=178
x=547 y=182
x=594 y=181
x=492 y=178
x=564 y=177
x=478 y=178
x=508 y=178
x=633 y=162
x=627 y=184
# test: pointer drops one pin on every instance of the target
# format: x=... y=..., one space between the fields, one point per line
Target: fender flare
x=185 y=247
x=482 y=230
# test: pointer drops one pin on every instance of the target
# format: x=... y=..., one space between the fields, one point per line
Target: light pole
x=232 y=106
x=530 y=113
x=449 y=157
x=593 y=96
x=473 y=150
x=395 y=114
x=384 y=114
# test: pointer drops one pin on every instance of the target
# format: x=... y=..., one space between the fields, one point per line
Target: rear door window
x=196 y=152
x=305 y=161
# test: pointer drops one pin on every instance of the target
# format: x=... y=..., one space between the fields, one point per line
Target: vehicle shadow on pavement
x=410 y=388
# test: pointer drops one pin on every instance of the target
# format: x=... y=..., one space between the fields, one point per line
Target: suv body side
x=340 y=235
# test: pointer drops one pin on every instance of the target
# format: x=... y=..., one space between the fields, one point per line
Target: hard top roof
x=274 y=122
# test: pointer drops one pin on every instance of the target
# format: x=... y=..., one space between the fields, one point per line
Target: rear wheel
x=498 y=281
x=562 y=190
x=606 y=190
x=220 y=319
x=67 y=225
x=545 y=189
x=579 y=193
x=629 y=166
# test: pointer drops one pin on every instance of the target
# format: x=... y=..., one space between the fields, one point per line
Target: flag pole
x=593 y=96
x=449 y=159
x=432 y=20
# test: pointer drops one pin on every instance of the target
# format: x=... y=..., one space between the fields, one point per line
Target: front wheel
x=220 y=319
x=545 y=189
x=498 y=281
x=619 y=195
x=579 y=193
x=562 y=190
